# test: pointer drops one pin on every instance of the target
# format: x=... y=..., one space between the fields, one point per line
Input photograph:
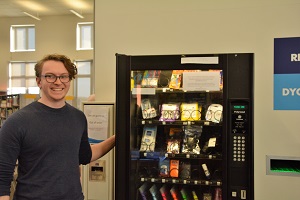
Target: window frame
x=91 y=76
x=79 y=38
x=24 y=77
x=14 y=38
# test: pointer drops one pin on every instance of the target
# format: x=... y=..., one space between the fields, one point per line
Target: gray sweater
x=49 y=145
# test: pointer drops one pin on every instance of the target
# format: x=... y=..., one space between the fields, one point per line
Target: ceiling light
x=30 y=15
x=76 y=13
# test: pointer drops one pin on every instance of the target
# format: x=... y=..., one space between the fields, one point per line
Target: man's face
x=53 y=93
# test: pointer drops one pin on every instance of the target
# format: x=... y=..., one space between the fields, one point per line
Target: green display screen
x=239 y=106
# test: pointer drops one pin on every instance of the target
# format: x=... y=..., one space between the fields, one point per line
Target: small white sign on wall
x=98 y=122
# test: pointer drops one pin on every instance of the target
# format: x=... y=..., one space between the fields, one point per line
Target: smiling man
x=49 y=139
x=53 y=78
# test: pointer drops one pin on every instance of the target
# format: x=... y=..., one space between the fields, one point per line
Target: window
x=22 y=38
x=85 y=36
x=22 y=78
x=83 y=84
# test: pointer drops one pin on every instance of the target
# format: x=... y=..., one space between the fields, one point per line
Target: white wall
x=197 y=26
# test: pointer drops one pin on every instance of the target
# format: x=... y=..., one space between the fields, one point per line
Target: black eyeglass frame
x=61 y=78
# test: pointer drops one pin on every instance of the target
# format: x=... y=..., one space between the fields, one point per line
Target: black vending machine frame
x=238 y=71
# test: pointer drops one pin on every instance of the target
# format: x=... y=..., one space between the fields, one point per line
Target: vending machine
x=184 y=127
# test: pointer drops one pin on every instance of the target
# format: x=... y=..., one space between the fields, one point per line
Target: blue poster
x=287 y=73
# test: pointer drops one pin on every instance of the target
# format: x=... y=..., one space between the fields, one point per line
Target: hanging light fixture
x=30 y=15
x=77 y=14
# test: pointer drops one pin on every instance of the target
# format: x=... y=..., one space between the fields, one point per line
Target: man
x=49 y=139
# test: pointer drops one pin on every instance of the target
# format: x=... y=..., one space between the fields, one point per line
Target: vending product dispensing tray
x=283 y=166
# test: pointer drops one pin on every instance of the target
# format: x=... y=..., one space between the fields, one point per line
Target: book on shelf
x=15 y=100
x=3 y=103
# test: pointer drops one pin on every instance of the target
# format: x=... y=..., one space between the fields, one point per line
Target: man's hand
x=4 y=198
x=100 y=149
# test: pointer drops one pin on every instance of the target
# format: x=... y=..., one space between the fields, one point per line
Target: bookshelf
x=8 y=105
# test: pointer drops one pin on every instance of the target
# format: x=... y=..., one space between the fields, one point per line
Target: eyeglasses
x=214 y=115
x=169 y=115
x=147 y=147
x=51 y=78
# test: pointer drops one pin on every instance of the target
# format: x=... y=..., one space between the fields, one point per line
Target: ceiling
x=15 y=8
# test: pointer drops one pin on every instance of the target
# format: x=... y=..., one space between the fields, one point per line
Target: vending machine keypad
x=239 y=150
x=239 y=129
